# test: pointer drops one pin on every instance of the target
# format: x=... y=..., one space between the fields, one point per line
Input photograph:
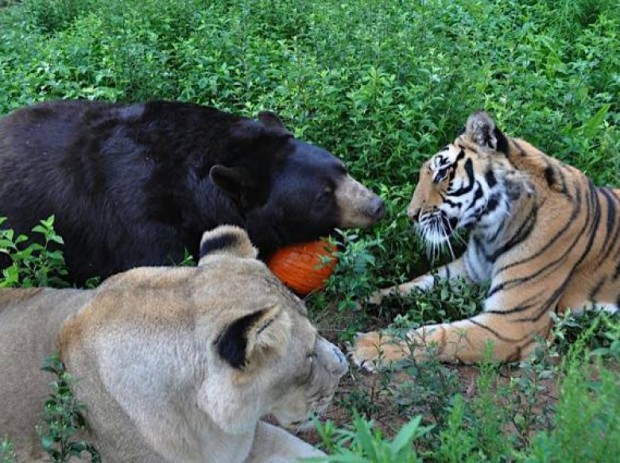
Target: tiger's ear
x=251 y=338
x=483 y=132
x=226 y=240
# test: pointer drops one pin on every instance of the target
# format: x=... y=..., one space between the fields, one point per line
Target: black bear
x=138 y=184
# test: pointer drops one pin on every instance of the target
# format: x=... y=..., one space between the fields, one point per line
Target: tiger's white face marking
x=459 y=188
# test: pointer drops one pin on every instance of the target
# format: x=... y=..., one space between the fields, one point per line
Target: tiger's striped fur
x=540 y=231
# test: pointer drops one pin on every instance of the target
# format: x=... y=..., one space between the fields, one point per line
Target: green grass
x=383 y=85
x=33 y=263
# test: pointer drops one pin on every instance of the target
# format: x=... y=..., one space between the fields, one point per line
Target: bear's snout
x=359 y=207
x=376 y=209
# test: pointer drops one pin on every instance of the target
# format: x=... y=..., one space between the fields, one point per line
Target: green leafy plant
x=430 y=390
x=7 y=453
x=350 y=283
x=367 y=400
x=598 y=330
x=362 y=443
x=62 y=417
x=590 y=401
x=55 y=15
x=37 y=263
x=456 y=442
x=352 y=279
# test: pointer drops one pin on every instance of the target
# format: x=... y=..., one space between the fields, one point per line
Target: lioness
x=173 y=364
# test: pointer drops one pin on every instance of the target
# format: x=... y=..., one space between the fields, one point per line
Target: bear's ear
x=233 y=181
x=252 y=338
x=483 y=132
x=244 y=132
x=272 y=121
x=226 y=240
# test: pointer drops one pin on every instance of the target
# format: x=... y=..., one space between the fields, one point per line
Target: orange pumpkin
x=303 y=267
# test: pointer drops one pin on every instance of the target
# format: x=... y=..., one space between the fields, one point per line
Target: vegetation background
x=383 y=84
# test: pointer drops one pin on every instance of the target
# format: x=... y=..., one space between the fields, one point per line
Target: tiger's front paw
x=374 y=350
x=375 y=298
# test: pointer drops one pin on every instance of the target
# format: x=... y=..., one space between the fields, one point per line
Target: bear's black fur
x=134 y=185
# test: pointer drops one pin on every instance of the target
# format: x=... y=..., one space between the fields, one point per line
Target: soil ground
x=388 y=415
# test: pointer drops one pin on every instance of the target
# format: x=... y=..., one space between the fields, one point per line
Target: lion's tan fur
x=143 y=347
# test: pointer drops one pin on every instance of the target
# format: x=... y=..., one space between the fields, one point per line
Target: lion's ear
x=483 y=132
x=246 y=344
x=252 y=337
x=226 y=240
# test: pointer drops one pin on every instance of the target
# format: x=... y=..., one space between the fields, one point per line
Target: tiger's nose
x=414 y=213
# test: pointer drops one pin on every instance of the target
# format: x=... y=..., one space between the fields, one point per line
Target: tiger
x=540 y=232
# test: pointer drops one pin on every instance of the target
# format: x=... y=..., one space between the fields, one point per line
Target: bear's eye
x=326 y=194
